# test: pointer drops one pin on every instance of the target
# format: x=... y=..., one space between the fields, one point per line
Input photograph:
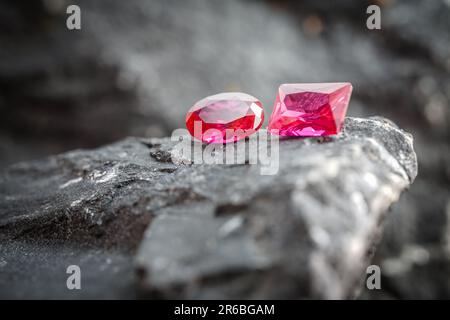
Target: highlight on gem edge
x=300 y=110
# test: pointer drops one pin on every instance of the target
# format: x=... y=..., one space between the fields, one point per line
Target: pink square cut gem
x=310 y=109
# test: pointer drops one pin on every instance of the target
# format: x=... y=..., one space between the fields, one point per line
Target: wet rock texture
x=141 y=221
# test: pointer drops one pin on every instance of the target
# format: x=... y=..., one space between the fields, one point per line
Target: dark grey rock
x=136 y=67
x=202 y=231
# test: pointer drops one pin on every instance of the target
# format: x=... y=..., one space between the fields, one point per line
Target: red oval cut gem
x=225 y=117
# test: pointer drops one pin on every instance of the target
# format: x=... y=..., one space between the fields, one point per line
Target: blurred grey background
x=136 y=67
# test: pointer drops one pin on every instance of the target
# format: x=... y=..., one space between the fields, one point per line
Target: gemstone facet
x=225 y=117
x=310 y=109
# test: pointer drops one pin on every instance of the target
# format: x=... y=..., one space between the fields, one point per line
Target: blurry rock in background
x=136 y=67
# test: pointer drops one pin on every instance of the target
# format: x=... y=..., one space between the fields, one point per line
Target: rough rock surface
x=141 y=223
x=136 y=67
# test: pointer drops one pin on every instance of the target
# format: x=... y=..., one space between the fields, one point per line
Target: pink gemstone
x=310 y=109
x=225 y=117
